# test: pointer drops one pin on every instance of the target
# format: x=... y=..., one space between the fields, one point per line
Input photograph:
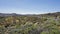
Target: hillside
x=30 y=24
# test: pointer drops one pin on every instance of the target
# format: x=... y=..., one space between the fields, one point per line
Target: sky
x=29 y=6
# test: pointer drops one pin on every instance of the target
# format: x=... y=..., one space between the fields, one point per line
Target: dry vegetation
x=46 y=24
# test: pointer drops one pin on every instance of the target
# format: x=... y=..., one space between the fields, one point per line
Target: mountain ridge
x=14 y=14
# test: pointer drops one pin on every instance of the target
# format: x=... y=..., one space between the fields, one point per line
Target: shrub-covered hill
x=30 y=24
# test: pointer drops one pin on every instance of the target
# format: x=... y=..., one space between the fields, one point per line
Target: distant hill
x=52 y=14
x=6 y=14
x=47 y=14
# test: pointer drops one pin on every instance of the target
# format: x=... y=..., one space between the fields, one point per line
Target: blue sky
x=29 y=6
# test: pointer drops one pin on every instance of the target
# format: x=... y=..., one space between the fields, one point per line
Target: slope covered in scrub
x=30 y=24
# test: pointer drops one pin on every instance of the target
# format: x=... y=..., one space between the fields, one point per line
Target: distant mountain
x=52 y=14
x=14 y=14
